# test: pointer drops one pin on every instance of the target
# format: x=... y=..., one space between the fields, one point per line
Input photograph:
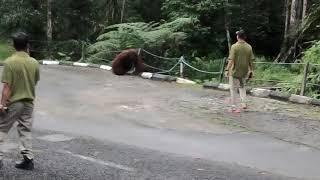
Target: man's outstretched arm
x=7 y=81
x=6 y=92
x=230 y=61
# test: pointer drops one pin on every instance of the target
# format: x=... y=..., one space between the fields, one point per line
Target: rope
x=279 y=63
x=160 y=57
x=265 y=80
x=168 y=71
x=315 y=64
x=196 y=69
x=312 y=84
x=41 y=41
x=38 y=51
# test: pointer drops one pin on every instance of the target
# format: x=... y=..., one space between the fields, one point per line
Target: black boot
x=1 y=164
x=26 y=164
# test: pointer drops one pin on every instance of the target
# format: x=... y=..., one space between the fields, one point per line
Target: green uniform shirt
x=241 y=53
x=21 y=72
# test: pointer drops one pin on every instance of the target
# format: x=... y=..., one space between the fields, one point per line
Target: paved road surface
x=90 y=124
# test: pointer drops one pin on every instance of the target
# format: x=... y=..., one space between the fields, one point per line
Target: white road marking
x=97 y=161
x=184 y=81
x=81 y=64
x=50 y=62
x=109 y=68
x=146 y=75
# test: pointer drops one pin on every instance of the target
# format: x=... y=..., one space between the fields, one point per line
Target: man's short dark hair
x=20 y=41
x=241 y=34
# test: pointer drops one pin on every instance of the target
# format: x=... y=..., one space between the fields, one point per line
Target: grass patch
x=5 y=50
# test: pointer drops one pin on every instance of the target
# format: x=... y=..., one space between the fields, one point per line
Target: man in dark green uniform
x=19 y=77
x=239 y=68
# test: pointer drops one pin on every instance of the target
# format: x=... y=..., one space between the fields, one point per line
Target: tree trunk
x=122 y=10
x=295 y=37
x=227 y=23
x=284 y=46
x=304 y=11
x=287 y=12
x=292 y=26
x=293 y=13
x=49 y=25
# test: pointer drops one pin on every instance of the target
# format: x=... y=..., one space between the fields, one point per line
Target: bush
x=210 y=64
x=287 y=77
x=5 y=50
x=312 y=56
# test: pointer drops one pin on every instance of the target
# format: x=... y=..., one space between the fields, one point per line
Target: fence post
x=181 y=66
x=222 y=69
x=305 y=79
x=83 y=53
x=139 y=51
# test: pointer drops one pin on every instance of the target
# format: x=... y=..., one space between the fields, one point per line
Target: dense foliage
x=200 y=30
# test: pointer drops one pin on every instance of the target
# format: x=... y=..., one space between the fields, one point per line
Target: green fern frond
x=143 y=35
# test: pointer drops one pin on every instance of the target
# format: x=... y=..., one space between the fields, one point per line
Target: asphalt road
x=90 y=124
x=61 y=156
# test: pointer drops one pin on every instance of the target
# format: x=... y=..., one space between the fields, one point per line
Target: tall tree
x=227 y=22
x=112 y=9
x=123 y=8
x=49 y=25
x=300 y=24
x=305 y=7
x=287 y=17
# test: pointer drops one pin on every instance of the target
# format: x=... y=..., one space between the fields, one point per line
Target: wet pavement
x=91 y=124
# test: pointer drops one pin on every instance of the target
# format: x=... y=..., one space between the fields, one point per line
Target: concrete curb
x=262 y=93
x=257 y=92
x=68 y=63
x=265 y=93
x=145 y=75
x=161 y=77
x=300 y=99
x=280 y=95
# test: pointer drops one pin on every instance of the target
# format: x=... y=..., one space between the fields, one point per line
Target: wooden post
x=305 y=79
x=49 y=27
x=227 y=23
x=83 y=53
x=222 y=69
x=181 y=66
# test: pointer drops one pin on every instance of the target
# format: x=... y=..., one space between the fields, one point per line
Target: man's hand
x=3 y=108
x=226 y=73
x=250 y=75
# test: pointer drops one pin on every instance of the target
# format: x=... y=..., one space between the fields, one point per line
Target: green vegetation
x=285 y=77
x=5 y=50
x=312 y=55
x=201 y=31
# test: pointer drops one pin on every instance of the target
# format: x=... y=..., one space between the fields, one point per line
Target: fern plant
x=151 y=36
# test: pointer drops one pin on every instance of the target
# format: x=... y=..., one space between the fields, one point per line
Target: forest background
x=285 y=34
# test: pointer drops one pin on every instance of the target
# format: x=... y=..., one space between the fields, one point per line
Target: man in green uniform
x=240 y=67
x=19 y=77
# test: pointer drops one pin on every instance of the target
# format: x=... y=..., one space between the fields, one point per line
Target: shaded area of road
x=64 y=156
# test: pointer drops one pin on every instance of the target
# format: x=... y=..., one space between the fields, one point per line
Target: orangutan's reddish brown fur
x=126 y=60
